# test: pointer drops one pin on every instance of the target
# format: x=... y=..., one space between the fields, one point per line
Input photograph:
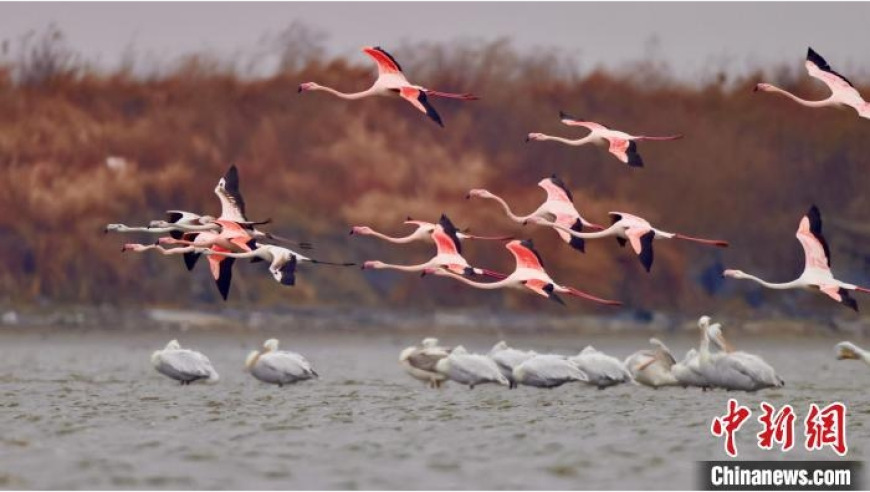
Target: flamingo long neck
x=577 y=142
x=347 y=95
x=811 y=104
x=259 y=252
x=794 y=284
x=408 y=268
x=508 y=211
x=613 y=230
x=397 y=240
x=505 y=282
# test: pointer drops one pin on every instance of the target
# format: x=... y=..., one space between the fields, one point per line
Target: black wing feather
x=634 y=159
x=225 y=277
x=646 y=249
x=561 y=184
x=577 y=242
x=451 y=231
x=815 y=218
x=817 y=60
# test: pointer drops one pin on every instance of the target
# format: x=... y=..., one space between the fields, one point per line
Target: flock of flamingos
x=715 y=364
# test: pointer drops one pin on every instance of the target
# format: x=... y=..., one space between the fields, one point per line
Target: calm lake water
x=84 y=409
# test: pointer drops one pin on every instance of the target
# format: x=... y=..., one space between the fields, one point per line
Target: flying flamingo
x=635 y=230
x=558 y=208
x=528 y=275
x=282 y=261
x=391 y=81
x=843 y=93
x=423 y=232
x=232 y=238
x=817 y=267
x=449 y=255
x=618 y=143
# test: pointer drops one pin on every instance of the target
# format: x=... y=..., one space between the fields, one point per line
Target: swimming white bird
x=848 y=350
x=734 y=370
x=420 y=362
x=183 y=365
x=507 y=359
x=652 y=367
x=548 y=371
x=601 y=369
x=470 y=369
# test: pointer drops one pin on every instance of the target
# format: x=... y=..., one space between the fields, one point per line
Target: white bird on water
x=601 y=369
x=470 y=369
x=733 y=370
x=507 y=359
x=548 y=371
x=186 y=366
x=420 y=362
x=688 y=371
x=280 y=367
x=848 y=350
x=652 y=367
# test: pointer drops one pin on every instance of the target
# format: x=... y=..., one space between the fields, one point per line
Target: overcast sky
x=691 y=37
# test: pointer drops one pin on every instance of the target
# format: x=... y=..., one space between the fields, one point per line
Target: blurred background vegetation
x=80 y=148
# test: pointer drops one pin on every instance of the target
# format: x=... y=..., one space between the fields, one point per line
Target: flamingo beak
x=527 y=139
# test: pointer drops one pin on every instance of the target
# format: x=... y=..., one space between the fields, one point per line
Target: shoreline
x=381 y=320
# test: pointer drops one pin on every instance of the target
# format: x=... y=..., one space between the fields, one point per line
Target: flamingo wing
x=543 y=288
x=525 y=254
x=418 y=99
x=840 y=295
x=230 y=195
x=818 y=68
x=386 y=63
x=222 y=271
x=576 y=225
x=451 y=231
x=572 y=121
x=625 y=150
x=816 y=251
x=445 y=244
x=556 y=190
x=641 y=240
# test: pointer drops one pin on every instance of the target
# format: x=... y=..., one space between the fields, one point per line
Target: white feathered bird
x=548 y=371
x=280 y=367
x=470 y=369
x=186 y=366
x=601 y=369
x=652 y=367
x=507 y=359
x=420 y=362
x=734 y=370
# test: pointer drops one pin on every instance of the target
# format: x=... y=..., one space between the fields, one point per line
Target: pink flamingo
x=232 y=238
x=423 y=232
x=843 y=93
x=558 y=209
x=618 y=143
x=392 y=81
x=449 y=255
x=635 y=230
x=221 y=267
x=529 y=275
x=817 y=265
